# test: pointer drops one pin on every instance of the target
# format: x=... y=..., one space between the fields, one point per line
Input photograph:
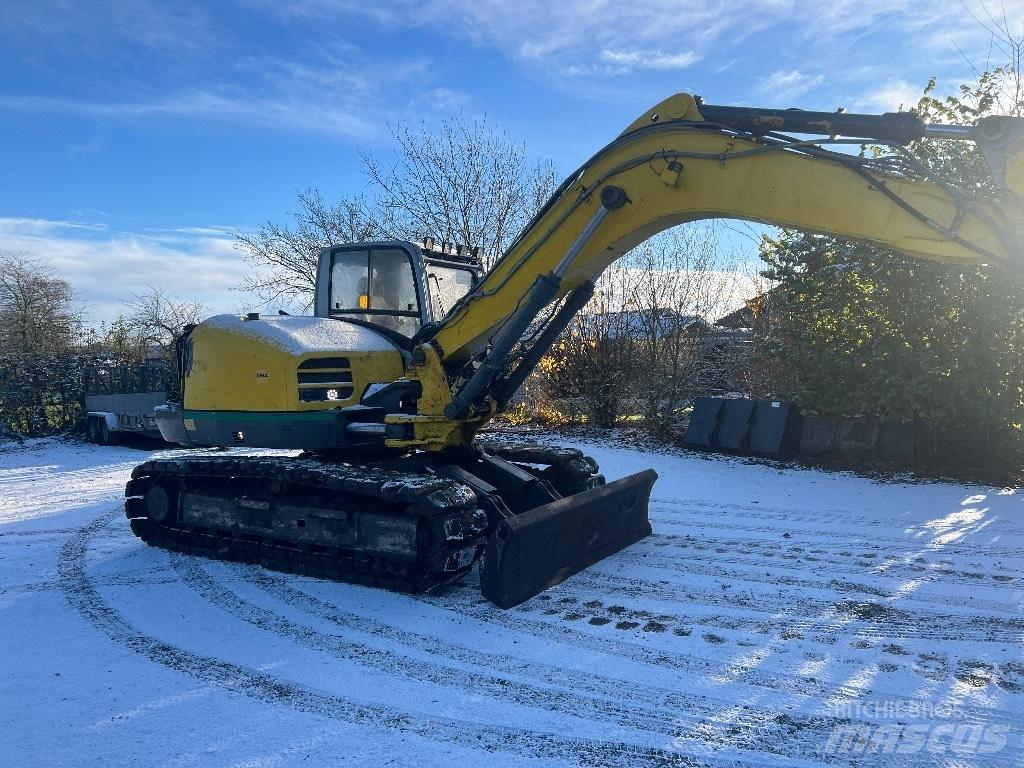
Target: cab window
x=446 y=286
x=376 y=286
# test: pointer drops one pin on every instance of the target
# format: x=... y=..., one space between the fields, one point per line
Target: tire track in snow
x=753 y=728
x=98 y=581
x=27 y=494
x=591 y=598
x=754 y=573
x=687 y=720
x=743 y=671
x=44 y=532
x=879 y=561
x=896 y=623
x=683 y=719
x=800 y=514
x=929 y=662
x=600 y=708
x=85 y=599
x=676 y=518
x=113 y=580
x=256 y=683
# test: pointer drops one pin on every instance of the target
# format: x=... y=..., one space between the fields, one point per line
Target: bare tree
x=645 y=344
x=686 y=280
x=590 y=371
x=466 y=183
x=284 y=258
x=37 y=313
x=1004 y=63
x=40 y=334
x=158 y=318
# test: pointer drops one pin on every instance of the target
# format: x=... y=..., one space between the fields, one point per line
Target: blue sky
x=136 y=135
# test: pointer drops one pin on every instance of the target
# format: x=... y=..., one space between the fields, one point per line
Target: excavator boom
x=674 y=166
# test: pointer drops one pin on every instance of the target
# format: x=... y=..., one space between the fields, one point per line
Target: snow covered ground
x=777 y=616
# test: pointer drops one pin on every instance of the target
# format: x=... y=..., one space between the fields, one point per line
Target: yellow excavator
x=413 y=349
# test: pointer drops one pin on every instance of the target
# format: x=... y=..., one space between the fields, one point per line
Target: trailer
x=119 y=399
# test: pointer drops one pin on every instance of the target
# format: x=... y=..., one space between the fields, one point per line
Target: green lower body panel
x=300 y=430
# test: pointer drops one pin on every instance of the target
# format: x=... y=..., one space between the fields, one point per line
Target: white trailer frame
x=108 y=414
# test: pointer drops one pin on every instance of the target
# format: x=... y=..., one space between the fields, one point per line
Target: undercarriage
x=534 y=514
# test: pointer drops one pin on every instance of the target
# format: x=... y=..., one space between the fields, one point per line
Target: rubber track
x=754 y=573
x=568 y=469
x=427 y=497
x=682 y=510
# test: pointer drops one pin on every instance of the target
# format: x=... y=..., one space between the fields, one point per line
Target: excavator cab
x=394 y=286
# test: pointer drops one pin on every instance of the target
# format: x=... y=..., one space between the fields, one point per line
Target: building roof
x=745 y=316
x=640 y=323
x=741 y=318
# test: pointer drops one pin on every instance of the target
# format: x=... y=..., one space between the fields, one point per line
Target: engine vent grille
x=324 y=379
x=324 y=362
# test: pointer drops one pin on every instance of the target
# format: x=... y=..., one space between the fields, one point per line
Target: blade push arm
x=673 y=166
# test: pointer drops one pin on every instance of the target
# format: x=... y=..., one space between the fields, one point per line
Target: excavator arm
x=683 y=161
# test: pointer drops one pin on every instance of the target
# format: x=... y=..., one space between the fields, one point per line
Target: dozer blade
x=537 y=549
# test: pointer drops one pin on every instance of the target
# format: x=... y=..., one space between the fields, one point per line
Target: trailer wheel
x=104 y=433
x=92 y=430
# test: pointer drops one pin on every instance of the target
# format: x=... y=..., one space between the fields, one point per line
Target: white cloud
x=783 y=85
x=151 y=24
x=577 y=34
x=86 y=148
x=107 y=266
x=894 y=95
x=40 y=227
x=289 y=111
x=440 y=101
x=332 y=96
x=337 y=90
x=631 y=60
